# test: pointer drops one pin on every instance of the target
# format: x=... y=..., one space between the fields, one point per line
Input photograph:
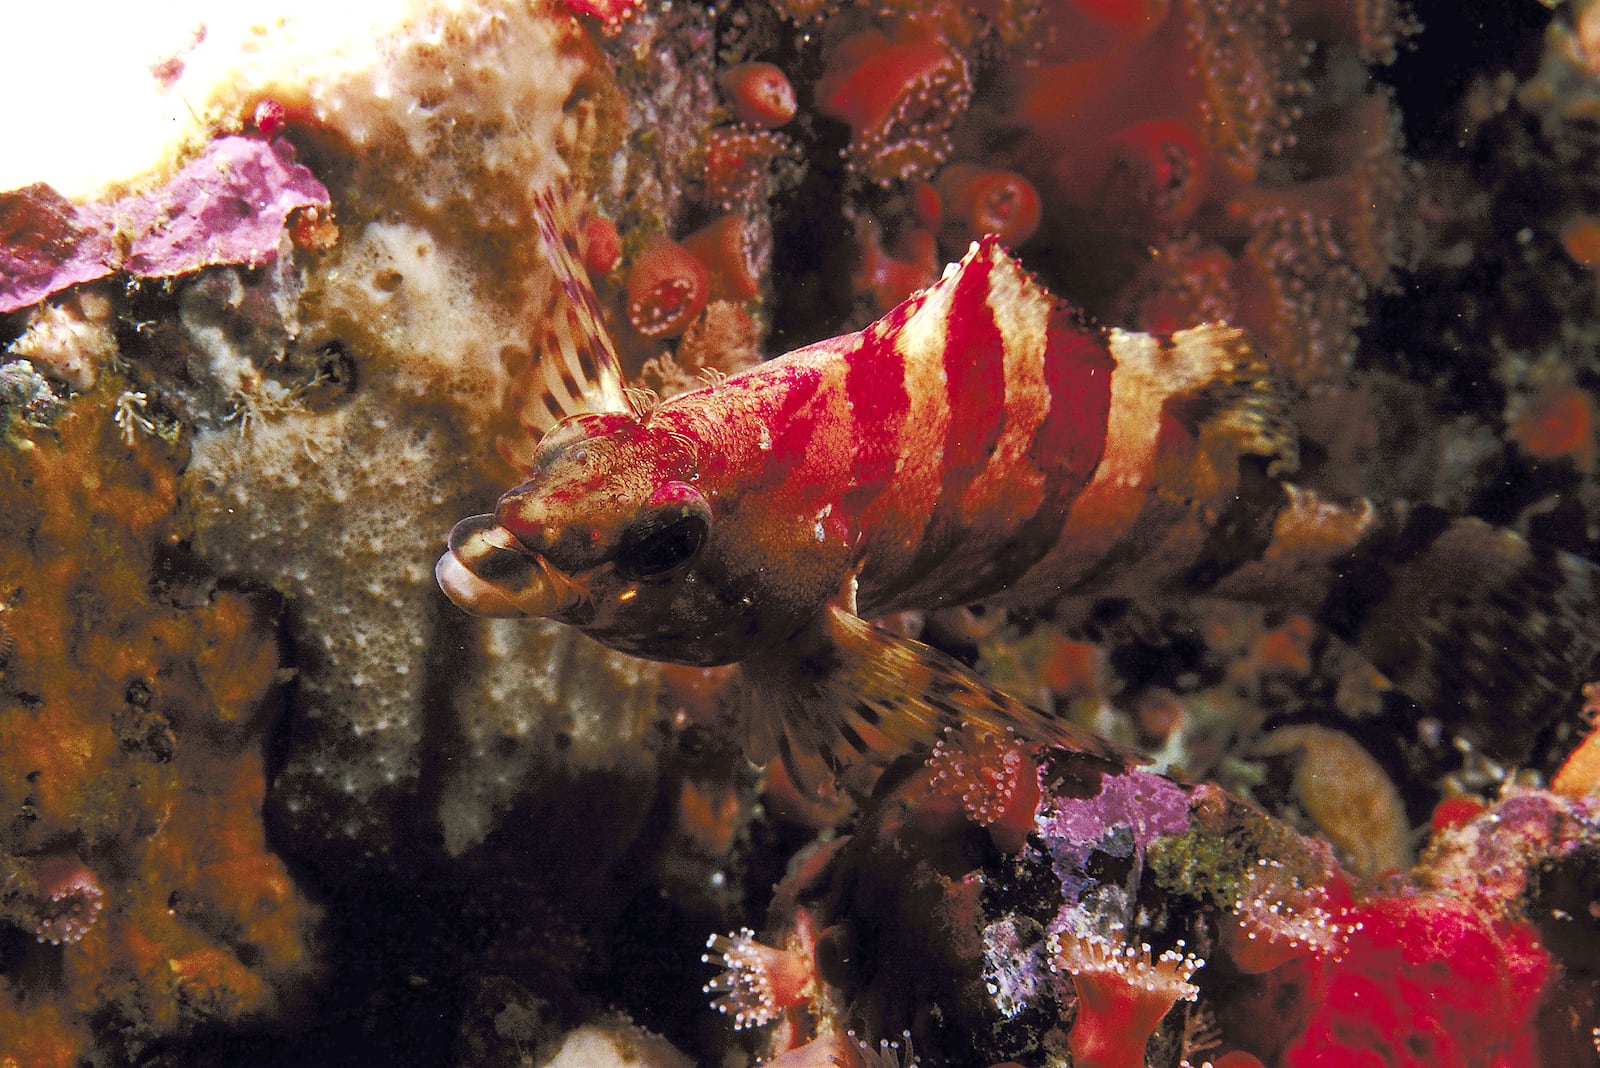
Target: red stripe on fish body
x=942 y=444
x=1006 y=487
x=1144 y=516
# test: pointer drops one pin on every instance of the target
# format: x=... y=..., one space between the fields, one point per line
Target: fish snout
x=488 y=572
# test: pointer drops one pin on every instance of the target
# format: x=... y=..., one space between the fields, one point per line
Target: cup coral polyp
x=985 y=200
x=759 y=981
x=667 y=288
x=901 y=95
x=725 y=250
x=737 y=158
x=1124 y=992
x=1277 y=920
x=994 y=778
x=1155 y=177
x=760 y=94
x=69 y=898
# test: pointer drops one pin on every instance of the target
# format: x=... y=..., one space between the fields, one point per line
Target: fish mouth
x=489 y=573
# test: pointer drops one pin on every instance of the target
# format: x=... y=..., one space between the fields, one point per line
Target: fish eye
x=668 y=536
x=654 y=548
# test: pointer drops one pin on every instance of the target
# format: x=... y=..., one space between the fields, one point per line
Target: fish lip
x=488 y=572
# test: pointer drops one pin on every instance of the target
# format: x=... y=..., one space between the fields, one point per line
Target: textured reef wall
x=269 y=799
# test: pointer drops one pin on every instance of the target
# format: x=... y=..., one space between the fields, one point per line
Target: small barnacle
x=26 y=394
x=758 y=981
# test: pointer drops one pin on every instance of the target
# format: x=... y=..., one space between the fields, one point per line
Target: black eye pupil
x=658 y=549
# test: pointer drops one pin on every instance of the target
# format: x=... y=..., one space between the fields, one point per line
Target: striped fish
x=979 y=443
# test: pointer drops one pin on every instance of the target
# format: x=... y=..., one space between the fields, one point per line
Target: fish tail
x=1477 y=625
x=846 y=693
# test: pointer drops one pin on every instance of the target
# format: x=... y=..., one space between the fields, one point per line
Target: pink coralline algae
x=230 y=205
x=1130 y=811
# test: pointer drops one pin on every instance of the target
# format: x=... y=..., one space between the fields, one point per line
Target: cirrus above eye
x=655 y=547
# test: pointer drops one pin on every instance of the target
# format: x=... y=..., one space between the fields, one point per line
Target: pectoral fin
x=845 y=692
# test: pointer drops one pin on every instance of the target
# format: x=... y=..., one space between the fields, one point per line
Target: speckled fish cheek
x=784 y=519
x=783 y=418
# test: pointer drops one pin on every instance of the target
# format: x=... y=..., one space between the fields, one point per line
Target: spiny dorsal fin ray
x=845 y=692
x=575 y=366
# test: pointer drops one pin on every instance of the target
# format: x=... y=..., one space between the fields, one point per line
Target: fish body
x=981 y=442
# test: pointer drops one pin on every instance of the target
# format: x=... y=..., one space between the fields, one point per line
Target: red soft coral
x=1428 y=982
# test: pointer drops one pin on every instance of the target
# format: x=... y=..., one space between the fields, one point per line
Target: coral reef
x=132 y=710
x=273 y=801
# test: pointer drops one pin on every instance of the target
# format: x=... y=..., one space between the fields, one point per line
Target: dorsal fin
x=575 y=368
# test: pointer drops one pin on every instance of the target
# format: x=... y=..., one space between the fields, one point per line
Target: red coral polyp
x=758 y=982
x=602 y=246
x=737 y=158
x=995 y=780
x=984 y=200
x=1156 y=175
x=667 y=290
x=1277 y=920
x=725 y=250
x=901 y=96
x=1124 y=992
x=760 y=94
x=68 y=901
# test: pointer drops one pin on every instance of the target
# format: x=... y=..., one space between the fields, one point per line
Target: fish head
x=612 y=535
